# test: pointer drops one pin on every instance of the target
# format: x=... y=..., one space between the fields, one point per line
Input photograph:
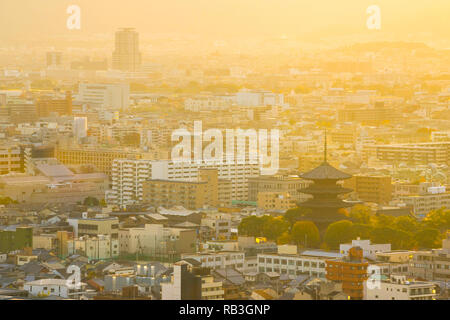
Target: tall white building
x=128 y=175
x=79 y=127
x=126 y=55
x=105 y=96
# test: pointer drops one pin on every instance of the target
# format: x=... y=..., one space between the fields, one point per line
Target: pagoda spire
x=325 y=147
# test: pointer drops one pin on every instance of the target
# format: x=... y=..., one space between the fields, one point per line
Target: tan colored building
x=102 y=159
x=155 y=240
x=377 y=189
x=95 y=248
x=100 y=225
x=280 y=184
x=212 y=290
x=189 y=194
x=45 y=106
x=43 y=189
x=11 y=159
x=279 y=201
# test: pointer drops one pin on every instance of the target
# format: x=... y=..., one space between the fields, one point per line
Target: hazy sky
x=224 y=18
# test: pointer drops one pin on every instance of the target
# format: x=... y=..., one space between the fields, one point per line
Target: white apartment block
x=369 y=250
x=312 y=263
x=105 y=96
x=423 y=204
x=95 y=248
x=219 y=260
x=54 y=287
x=398 y=287
x=155 y=239
x=128 y=175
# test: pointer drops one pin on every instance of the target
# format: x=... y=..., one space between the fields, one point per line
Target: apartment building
x=155 y=240
x=182 y=286
x=189 y=194
x=432 y=264
x=11 y=159
x=276 y=201
x=128 y=177
x=422 y=204
x=398 y=287
x=370 y=250
x=107 y=96
x=99 y=225
x=220 y=224
x=368 y=115
x=222 y=259
x=45 y=106
x=439 y=136
x=94 y=248
x=54 y=287
x=279 y=183
x=413 y=154
x=376 y=189
x=191 y=283
x=102 y=159
x=168 y=193
x=293 y=264
x=351 y=270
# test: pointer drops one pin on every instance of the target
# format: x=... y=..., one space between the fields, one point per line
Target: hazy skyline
x=401 y=19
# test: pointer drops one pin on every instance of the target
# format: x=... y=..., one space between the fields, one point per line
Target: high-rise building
x=126 y=56
x=128 y=176
x=79 y=127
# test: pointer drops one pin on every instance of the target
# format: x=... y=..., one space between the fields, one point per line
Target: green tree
x=6 y=200
x=383 y=220
x=295 y=214
x=251 y=226
x=306 y=234
x=285 y=238
x=397 y=238
x=438 y=219
x=362 y=230
x=273 y=228
x=339 y=232
x=406 y=223
x=91 y=202
x=361 y=214
x=428 y=238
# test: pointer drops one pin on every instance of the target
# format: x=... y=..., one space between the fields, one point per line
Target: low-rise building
x=369 y=250
x=398 y=287
x=155 y=240
x=54 y=287
x=293 y=264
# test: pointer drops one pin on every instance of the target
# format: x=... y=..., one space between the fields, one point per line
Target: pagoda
x=326 y=206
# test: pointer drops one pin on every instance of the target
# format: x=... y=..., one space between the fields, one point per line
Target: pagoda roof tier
x=333 y=190
x=325 y=172
x=331 y=204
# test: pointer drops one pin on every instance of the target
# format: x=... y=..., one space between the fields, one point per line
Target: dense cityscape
x=177 y=168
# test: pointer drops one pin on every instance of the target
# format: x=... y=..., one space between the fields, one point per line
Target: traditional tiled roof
x=325 y=172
